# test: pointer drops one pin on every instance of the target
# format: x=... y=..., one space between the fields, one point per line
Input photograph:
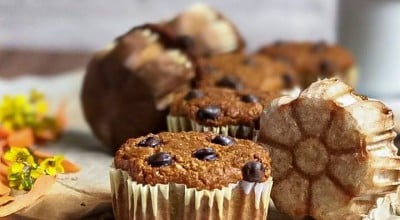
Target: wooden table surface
x=22 y=62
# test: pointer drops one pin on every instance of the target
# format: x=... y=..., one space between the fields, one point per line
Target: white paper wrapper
x=177 y=124
x=243 y=200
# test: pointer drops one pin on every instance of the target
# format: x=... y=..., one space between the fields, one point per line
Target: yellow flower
x=53 y=165
x=35 y=95
x=39 y=102
x=22 y=111
x=20 y=155
x=35 y=173
x=41 y=107
x=16 y=168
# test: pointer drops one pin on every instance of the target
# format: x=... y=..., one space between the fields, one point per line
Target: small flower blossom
x=24 y=169
x=19 y=155
x=52 y=165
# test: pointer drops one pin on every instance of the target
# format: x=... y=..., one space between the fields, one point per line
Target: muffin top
x=204 y=31
x=239 y=71
x=136 y=75
x=311 y=57
x=198 y=160
x=220 y=106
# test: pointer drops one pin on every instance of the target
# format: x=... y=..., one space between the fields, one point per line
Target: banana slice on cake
x=332 y=152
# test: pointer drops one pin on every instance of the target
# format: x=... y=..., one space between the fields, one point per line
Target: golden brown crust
x=254 y=72
x=332 y=152
x=185 y=168
x=234 y=111
x=312 y=60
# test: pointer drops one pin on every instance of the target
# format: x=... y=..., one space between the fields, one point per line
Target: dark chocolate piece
x=253 y=171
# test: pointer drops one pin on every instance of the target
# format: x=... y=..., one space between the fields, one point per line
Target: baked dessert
x=128 y=86
x=314 y=60
x=238 y=71
x=332 y=152
x=205 y=32
x=221 y=110
x=190 y=175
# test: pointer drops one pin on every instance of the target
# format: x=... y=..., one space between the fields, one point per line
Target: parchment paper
x=86 y=195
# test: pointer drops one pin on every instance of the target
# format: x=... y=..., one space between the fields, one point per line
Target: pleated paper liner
x=132 y=200
x=177 y=124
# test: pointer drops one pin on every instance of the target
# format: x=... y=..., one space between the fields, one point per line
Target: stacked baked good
x=332 y=151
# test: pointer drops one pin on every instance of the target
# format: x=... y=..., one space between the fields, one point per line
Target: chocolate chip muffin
x=204 y=31
x=314 y=60
x=190 y=175
x=128 y=86
x=222 y=110
x=238 y=71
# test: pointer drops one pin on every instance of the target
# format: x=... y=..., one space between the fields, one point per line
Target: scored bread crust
x=332 y=152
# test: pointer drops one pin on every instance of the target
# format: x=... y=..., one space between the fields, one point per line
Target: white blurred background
x=368 y=28
x=89 y=24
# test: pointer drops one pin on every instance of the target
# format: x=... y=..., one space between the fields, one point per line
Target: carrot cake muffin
x=128 y=86
x=226 y=111
x=190 y=175
x=314 y=60
x=255 y=72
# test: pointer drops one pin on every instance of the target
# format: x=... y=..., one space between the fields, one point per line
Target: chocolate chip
x=223 y=140
x=186 y=41
x=210 y=112
x=318 y=46
x=230 y=82
x=284 y=60
x=149 y=142
x=397 y=143
x=209 y=68
x=278 y=43
x=160 y=159
x=194 y=94
x=249 y=62
x=287 y=80
x=325 y=67
x=257 y=123
x=207 y=154
x=253 y=171
x=250 y=98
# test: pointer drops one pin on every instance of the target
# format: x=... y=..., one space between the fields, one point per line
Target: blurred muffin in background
x=314 y=60
x=238 y=71
x=205 y=31
x=129 y=85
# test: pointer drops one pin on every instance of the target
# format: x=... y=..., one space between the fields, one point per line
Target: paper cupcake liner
x=132 y=200
x=177 y=124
